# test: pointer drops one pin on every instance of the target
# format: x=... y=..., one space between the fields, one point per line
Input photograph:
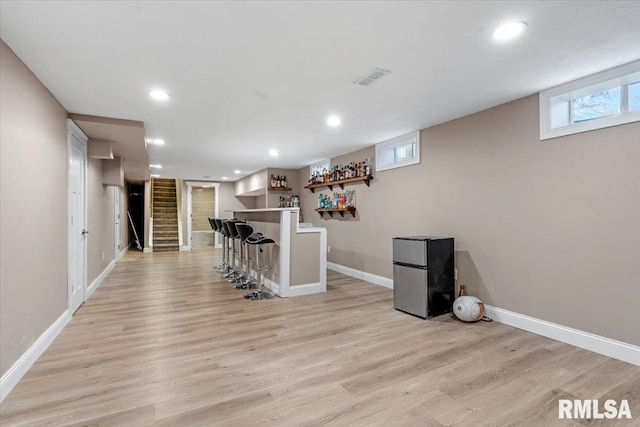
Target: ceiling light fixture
x=237 y=171
x=274 y=153
x=159 y=95
x=156 y=166
x=509 y=31
x=334 y=121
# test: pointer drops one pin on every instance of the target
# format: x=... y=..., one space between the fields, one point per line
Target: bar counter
x=299 y=256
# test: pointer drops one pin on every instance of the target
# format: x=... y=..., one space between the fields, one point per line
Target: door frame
x=74 y=131
x=116 y=223
x=190 y=184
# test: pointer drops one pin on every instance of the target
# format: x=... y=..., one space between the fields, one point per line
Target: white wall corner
x=362 y=275
x=616 y=349
x=24 y=363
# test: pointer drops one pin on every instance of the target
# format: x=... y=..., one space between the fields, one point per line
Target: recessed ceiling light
x=159 y=95
x=509 y=30
x=237 y=171
x=334 y=121
x=155 y=175
x=224 y=177
x=156 y=166
x=274 y=153
x=158 y=141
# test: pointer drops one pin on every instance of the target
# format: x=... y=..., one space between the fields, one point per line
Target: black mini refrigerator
x=423 y=275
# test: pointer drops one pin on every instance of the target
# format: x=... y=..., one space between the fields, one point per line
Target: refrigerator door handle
x=421 y=267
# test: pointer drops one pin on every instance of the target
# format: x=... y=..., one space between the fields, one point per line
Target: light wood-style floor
x=165 y=342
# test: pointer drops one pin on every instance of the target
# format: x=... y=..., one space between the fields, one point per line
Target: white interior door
x=116 y=220
x=77 y=217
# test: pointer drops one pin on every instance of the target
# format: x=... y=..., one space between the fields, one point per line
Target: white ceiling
x=247 y=77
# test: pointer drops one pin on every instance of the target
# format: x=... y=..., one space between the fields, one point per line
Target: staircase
x=165 y=215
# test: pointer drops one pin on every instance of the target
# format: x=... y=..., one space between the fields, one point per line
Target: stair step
x=163 y=204
x=165 y=227
x=165 y=242
x=166 y=218
x=166 y=249
x=169 y=238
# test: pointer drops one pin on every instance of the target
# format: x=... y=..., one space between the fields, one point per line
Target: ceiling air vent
x=374 y=75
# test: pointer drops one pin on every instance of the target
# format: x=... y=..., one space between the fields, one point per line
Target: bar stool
x=226 y=270
x=258 y=240
x=214 y=227
x=235 y=275
x=218 y=224
x=244 y=230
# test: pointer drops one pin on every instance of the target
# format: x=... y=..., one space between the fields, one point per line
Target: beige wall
x=546 y=229
x=100 y=202
x=101 y=221
x=255 y=182
x=33 y=203
x=229 y=201
x=33 y=209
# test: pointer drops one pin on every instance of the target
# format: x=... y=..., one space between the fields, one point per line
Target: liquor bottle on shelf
x=284 y=182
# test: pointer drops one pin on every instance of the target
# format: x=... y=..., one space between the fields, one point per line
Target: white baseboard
x=306 y=289
x=123 y=251
x=24 y=363
x=185 y=248
x=275 y=287
x=616 y=349
x=362 y=275
x=98 y=280
x=147 y=250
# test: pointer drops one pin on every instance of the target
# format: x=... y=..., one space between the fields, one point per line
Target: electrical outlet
x=328 y=249
x=455 y=274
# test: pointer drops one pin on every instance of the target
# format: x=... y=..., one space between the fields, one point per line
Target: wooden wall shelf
x=352 y=211
x=341 y=183
x=280 y=189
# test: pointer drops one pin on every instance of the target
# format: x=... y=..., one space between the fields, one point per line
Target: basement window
x=602 y=100
x=398 y=152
